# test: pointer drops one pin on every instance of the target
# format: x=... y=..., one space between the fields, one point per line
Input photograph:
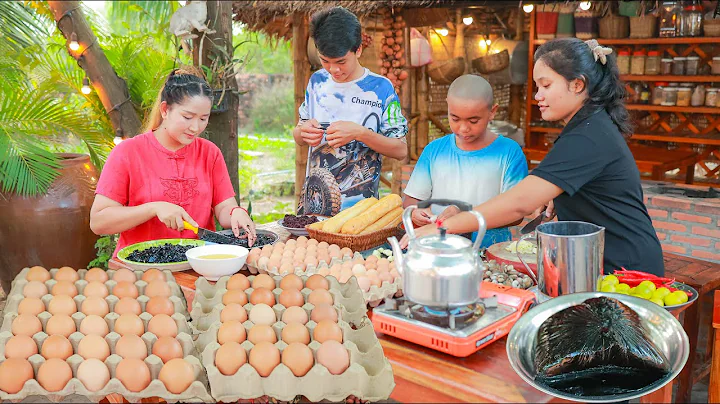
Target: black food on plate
x=161 y=254
x=260 y=240
x=597 y=348
x=298 y=222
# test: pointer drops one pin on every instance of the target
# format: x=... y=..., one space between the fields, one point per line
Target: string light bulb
x=488 y=41
x=73 y=45
x=528 y=8
x=467 y=20
x=86 y=86
x=442 y=31
x=585 y=5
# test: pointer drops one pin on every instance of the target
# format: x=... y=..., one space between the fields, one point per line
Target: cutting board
x=498 y=253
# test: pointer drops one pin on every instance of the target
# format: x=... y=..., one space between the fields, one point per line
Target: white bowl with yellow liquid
x=217 y=260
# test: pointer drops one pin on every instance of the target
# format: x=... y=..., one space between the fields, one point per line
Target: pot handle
x=517 y=251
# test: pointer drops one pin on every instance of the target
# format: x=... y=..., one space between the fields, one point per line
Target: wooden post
x=516 y=90
x=301 y=75
x=459 y=48
x=110 y=88
x=423 y=126
x=407 y=107
x=529 y=94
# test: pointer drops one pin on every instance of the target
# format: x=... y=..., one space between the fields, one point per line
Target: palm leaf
x=149 y=17
x=20 y=27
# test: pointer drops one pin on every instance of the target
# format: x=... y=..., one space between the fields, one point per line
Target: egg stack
x=289 y=336
x=66 y=332
x=295 y=255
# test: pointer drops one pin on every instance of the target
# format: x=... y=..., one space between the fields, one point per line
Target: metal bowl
x=680 y=307
x=662 y=328
x=274 y=236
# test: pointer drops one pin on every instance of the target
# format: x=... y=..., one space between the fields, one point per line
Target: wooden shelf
x=671 y=137
x=662 y=108
x=542 y=129
x=651 y=41
x=678 y=79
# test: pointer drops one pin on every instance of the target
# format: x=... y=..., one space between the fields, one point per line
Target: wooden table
x=714 y=386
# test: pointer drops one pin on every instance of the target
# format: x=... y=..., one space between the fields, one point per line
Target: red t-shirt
x=140 y=170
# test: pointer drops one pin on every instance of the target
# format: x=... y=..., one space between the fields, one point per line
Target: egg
x=14 y=372
x=291 y=244
x=371 y=259
x=345 y=275
x=385 y=277
x=317 y=282
x=291 y=297
x=125 y=289
x=295 y=332
x=370 y=265
x=262 y=314
x=235 y=296
x=310 y=250
x=160 y=305
x=298 y=358
x=60 y=324
x=94 y=325
x=66 y=274
x=382 y=269
x=127 y=305
x=153 y=274
x=62 y=305
x=163 y=325
x=323 y=257
x=347 y=265
x=264 y=357
x=177 y=375
x=364 y=283
x=253 y=255
x=327 y=330
x=295 y=315
x=31 y=305
x=54 y=374
x=26 y=324
x=20 y=346
x=95 y=289
x=274 y=262
x=233 y=312
x=262 y=333
x=298 y=262
x=286 y=267
x=346 y=252
x=134 y=374
x=372 y=273
x=322 y=312
x=131 y=346
x=323 y=271
x=263 y=281
x=94 y=306
x=229 y=358
x=262 y=262
x=231 y=331
x=96 y=275
x=358 y=269
x=238 y=281
x=288 y=253
x=124 y=275
x=262 y=295
x=312 y=242
x=291 y=281
x=383 y=262
x=395 y=274
x=35 y=289
x=266 y=250
x=302 y=239
x=310 y=261
x=334 y=356
x=93 y=374
x=278 y=246
x=93 y=346
x=128 y=324
x=38 y=274
x=334 y=254
x=157 y=288
x=319 y=296
x=323 y=244
x=167 y=348
x=56 y=346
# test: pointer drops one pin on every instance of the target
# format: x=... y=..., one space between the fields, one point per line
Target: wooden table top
x=704 y=276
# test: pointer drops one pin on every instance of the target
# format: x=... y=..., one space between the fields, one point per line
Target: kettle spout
x=397 y=253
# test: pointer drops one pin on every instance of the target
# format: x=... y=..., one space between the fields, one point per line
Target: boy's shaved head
x=471 y=87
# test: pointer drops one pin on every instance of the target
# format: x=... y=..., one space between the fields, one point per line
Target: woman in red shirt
x=154 y=181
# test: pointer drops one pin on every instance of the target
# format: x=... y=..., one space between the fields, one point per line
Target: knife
x=533 y=224
x=209 y=235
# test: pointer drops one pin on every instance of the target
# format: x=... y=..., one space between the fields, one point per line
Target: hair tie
x=598 y=51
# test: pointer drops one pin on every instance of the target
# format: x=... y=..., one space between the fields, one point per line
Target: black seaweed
x=261 y=240
x=162 y=254
x=298 y=222
x=597 y=348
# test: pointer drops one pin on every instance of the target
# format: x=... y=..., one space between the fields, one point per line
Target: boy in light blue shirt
x=472 y=164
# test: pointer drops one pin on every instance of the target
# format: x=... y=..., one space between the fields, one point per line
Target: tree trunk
x=301 y=75
x=111 y=89
x=223 y=126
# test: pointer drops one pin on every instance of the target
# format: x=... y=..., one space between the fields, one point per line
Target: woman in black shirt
x=589 y=175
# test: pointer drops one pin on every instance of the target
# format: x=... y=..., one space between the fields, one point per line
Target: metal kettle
x=440 y=270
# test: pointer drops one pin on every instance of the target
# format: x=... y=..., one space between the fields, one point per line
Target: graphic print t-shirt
x=339 y=178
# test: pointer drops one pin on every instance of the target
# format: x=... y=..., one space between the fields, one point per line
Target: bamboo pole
x=301 y=75
x=407 y=108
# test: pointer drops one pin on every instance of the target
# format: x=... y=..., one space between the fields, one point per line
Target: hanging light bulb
x=528 y=8
x=86 y=86
x=467 y=20
x=73 y=45
x=585 y=5
x=442 y=31
x=488 y=41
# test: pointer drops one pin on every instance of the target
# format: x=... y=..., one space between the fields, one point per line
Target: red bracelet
x=238 y=207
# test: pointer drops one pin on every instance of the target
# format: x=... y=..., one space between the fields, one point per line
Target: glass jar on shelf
x=692 y=65
x=691 y=21
x=683 y=97
x=637 y=64
x=669 y=13
x=711 y=96
x=666 y=66
x=623 y=62
x=698 y=96
x=715 y=65
x=679 y=65
x=634 y=95
x=652 y=63
x=657 y=93
x=669 y=96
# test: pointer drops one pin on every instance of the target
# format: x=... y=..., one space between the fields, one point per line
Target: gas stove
x=458 y=331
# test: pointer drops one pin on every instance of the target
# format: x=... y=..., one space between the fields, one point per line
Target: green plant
x=105 y=247
x=263 y=54
x=273 y=108
x=279 y=211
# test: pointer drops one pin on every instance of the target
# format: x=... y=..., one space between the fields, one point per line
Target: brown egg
x=60 y=324
x=129 y=324
x=323 y=244
x=153 y=274
x=266 y=250
x=262 y=262
x=253 y=256
x=66 y=274
x=177 y=375
x=64 y=288
x=95 y=306
x=238 y=281
x=167 y=348
x=231 y=331
x=264 y=357
x=131 y=346
x=125 y=289
x=56 y=346
x=94 y=325
x=334 y=356
x=262 y=295
x=93 y=374
x=160 y=305
x=295 y=332
x=312 y=242
x=317 y=282
x=298 y=358
x=346 y=252
x=163 y=325
x=345 y=275
x=233 y=312
x=262 y=314
x=295 y=314
x=124 y=275
x=322 y=312
x=93 y=346
x=291 y=297
x=26 y=324
x=14 y=372
x=319 y=296
x=31 y=305
x=96 y=275
x=274 y=262
x=95 y=289
x=235 y=296
x=261 y=333
x=286 y=267
x=134 y=374
x=263 y=281
x=385 y=277
x=128 y=305
x=35 y=289
x=38 y=273
x=298 y=262
x=54 y=374
x=327 y=330
x=229 y=358
x=311 y=261
x=20 y=346
x=158 y=288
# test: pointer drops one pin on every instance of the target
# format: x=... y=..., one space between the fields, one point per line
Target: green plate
x=170 y=266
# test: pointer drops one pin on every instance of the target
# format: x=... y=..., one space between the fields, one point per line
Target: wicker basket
x=586 y=24
x=546 y=24
x=446 y=71
x=711 y=27
x=613 y=26
x=644 y=26
x=492 y=63
x=355 y=242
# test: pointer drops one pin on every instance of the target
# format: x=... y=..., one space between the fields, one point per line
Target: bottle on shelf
x=644 y=93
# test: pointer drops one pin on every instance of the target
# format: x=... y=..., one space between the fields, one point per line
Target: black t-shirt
x=592 y=163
